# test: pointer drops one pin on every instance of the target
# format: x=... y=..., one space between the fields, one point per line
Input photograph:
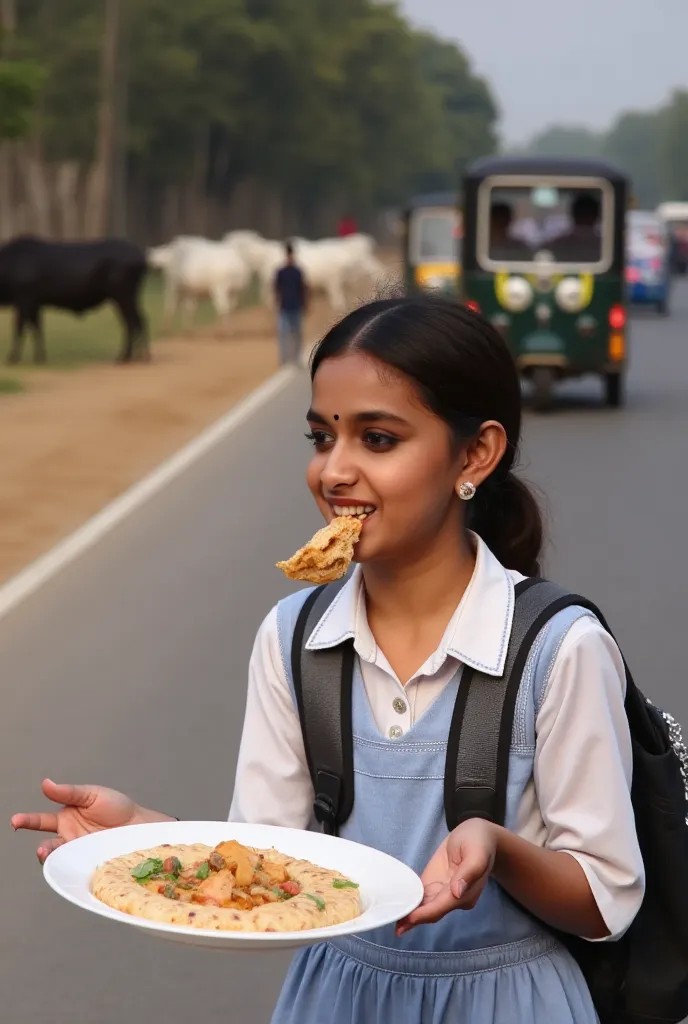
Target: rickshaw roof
x=554 y=166
x=431 y=199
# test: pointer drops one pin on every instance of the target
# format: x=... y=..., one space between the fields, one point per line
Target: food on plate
x=328 y=554
x=229 y=888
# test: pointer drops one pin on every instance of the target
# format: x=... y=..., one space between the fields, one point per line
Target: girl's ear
x=483 y=454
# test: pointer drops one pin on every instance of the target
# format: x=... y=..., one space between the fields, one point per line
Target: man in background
x=291 y=292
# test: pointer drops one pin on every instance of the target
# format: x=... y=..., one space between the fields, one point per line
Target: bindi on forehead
x=336 y=416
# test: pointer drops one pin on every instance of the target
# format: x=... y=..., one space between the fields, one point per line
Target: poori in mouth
x=229 y=888
x=328 y=554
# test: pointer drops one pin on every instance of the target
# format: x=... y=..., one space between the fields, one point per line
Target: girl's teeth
x=359 y=511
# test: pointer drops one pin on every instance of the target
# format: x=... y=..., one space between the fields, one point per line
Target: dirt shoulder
x=74 y=441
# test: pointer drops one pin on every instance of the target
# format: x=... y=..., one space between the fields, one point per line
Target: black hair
x=289 y=248
x=585 y=205
x=463 y=372
x=503 y=210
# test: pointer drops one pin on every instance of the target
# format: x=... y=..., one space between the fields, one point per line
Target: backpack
x=641 y=978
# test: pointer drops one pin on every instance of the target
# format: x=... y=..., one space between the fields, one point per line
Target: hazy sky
x=582 y=61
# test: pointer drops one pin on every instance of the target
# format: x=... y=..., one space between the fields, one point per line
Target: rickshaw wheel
x=543 y=387
x=614 y=391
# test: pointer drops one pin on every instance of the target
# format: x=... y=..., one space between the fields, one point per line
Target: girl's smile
x=387 y=458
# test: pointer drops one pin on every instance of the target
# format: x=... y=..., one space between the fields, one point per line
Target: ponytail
x=506 y=515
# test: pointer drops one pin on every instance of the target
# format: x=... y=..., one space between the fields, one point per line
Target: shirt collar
x=477 y=634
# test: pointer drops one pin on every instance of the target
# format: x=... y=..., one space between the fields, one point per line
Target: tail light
x=617 y=318
x=473 y=306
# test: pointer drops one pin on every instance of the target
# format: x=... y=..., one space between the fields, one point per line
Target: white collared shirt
x=578 y=800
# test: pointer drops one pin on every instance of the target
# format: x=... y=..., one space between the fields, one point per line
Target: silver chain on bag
x=680 y=749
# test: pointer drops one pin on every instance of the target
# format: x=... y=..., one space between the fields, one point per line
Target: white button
x=399 y=706
x=395 y=732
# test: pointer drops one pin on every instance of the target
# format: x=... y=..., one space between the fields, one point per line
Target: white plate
x=389 y=889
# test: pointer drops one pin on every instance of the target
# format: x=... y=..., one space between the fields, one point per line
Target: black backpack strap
x=477 y=764
x=322 y=685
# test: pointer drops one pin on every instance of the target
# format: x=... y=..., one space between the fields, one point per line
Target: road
x=129 y=668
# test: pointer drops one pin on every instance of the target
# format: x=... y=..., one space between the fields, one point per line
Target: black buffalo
x=74 y=276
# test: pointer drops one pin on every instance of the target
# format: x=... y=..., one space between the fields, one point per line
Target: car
x=675 y=216
x=648 y=260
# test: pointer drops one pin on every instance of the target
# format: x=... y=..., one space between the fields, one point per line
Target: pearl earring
x=466 y=490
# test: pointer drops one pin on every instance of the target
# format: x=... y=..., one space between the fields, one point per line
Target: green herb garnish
x=343 y=883
x=281 y=894
x=176 y=866
x=204 y=870
x=147 y=868
x=320 y=903
x=169 y=892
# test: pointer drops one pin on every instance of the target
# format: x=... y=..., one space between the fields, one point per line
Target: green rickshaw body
x=544 y=261
x=431 y=243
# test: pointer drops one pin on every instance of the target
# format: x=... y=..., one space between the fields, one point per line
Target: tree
x=633 y=145
x=466 y=108
x=305 y=105
x=566 y=141
x=20 y=80
x=673 y=146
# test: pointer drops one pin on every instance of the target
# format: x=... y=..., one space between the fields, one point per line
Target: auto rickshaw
x=544 y=261
x=432 y=243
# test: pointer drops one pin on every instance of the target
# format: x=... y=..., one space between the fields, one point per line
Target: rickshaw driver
x=582 y=243
x=504 y=246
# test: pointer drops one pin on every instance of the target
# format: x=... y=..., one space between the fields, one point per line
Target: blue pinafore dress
x=495 y=964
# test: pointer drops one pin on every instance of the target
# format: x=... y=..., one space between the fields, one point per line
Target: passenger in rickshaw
x=503 y=246
x=582 y=244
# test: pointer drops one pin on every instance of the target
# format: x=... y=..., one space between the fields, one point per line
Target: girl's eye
x=318 y=438
x=379 y=442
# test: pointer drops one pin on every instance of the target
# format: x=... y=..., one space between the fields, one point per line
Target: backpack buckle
x=328 y=789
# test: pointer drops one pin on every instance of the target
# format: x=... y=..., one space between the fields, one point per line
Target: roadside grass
x=10 y=386
x=72 y=341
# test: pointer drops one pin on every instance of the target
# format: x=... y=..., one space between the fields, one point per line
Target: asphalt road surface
x=130 y=667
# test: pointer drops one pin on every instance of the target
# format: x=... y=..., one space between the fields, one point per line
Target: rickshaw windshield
x=435 y=236
x=569 y=224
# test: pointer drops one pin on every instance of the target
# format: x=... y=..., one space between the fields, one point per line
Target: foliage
x=313 y=99
x=20 y=84
x=651 y=146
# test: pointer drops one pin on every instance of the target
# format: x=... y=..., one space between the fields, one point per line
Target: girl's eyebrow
x=371 y=416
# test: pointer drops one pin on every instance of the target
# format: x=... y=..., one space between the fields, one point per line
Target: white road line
x=48 y=565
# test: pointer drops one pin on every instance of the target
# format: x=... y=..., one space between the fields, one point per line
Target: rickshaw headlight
x=569 y=295
x=517 y=294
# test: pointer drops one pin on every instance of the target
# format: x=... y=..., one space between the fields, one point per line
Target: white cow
x=196 y=268
x=329 y=264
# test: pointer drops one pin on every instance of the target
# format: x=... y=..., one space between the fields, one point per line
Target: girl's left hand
x=457 y=874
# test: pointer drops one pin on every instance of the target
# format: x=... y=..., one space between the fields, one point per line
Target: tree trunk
x=66 y=190
x=99 y=193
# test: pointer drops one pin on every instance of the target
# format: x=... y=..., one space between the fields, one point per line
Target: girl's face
x=379 y=450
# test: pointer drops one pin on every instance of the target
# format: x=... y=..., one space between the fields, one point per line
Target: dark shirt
x=290 y=288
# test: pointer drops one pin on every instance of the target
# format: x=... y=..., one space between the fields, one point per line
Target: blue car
x=648 y=261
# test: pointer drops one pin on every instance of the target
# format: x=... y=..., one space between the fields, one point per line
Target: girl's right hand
x=86 y=809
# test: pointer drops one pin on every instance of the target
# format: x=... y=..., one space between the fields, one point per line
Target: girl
x=416 y=413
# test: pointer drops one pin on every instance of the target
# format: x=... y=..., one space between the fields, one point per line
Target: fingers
x=39 y=822
x=440 y=899
x=67 y=794
x=46 y=821
x=47 y=847
x=434 y=907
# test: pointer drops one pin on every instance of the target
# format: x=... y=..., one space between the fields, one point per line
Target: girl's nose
x=339 y=470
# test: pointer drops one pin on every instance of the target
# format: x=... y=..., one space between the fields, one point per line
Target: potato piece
x=238 y=859
x=219 y=885
x=275 y=872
